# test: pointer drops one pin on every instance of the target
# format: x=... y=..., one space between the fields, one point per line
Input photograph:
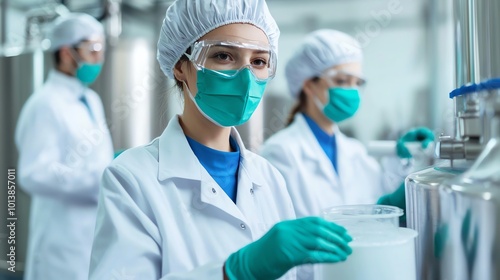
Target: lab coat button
x=213 y=190
x=251 y=191
x=243 y=227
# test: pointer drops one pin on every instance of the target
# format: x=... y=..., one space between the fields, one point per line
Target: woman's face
x=222 y=57
x=346 y=75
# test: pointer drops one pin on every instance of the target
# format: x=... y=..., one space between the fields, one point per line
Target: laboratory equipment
x=477 y=26
x=468 y=235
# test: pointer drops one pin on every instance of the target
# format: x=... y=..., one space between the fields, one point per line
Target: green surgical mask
x=228 y=101
x=87 y=72
x=342 y=103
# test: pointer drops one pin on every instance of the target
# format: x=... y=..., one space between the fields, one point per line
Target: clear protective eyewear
x=225 y=56
x=91 y=48
x=342 y=78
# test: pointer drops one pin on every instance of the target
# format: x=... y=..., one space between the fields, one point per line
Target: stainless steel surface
x=430 y=211
x=469 y=225
x=457 y=149
x=472 y=127
x=465 y=43
x=422 y=209
x=477 y=41
x=477 y=27
x=492 y=111
x=3 y=22
x=30 y=66
x=469 y=229
x=470 y=118
x=133 y=91
x=113 y=24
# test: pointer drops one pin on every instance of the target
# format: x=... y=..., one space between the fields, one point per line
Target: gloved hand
x=422 y=134
x=118 y=152
x=397 y=198
x=288 y=244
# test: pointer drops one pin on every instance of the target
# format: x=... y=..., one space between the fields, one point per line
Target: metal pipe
x=464 y=48
x=477 y=58
x=113 y=24
x=477 y=41
x=488 y=40
x=433 y=14
x=3 y=22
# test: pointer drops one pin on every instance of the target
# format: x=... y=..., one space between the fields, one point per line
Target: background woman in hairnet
x=194 y=203
x=322 y=167
x=64 y=145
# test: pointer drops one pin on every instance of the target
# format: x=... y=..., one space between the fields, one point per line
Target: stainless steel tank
x=423 y=205
x=469 y=230
x=423 y=208
x=477 y=29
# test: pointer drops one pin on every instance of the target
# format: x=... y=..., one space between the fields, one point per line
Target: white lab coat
x=62 y=155
x=311 y=179
x=161 y=215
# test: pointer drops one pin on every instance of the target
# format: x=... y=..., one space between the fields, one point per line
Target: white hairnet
x=186 y=21
x=72 y=28
x=320 y=50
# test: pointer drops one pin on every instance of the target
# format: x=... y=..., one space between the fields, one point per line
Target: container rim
x=360 y=211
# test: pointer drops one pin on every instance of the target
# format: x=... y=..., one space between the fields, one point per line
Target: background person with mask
x=322 y=167
x=64 y=146
x=195 y=203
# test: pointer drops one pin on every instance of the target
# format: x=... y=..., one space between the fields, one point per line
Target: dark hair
x=57 y=53
x=300 y=105
x=57 y=57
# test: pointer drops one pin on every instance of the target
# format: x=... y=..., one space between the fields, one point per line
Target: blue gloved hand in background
x=422 y=134
x=288 y=244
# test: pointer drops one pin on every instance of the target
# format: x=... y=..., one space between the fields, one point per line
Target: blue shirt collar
x=217 y=163
x=320 y=134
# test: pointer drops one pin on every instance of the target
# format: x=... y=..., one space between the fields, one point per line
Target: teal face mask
x=87 y=72
x=228 y=101
x=342 y=103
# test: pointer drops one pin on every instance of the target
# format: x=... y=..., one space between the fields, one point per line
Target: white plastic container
x=381 y=250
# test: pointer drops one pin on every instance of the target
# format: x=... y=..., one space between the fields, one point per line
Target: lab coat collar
x=174 y=145
x=73 y=85
x=177 y=160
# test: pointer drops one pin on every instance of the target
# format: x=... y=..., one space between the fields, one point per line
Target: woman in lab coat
x=322 y=167
x=194 y=203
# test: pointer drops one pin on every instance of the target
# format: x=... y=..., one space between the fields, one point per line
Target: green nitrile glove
x=421 y=134
x=288 y=244
x=118 y=152
x=397 y=198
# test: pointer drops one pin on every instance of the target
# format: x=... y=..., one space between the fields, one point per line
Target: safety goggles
x=341 y=78
x=90 y=48
x=228 y=58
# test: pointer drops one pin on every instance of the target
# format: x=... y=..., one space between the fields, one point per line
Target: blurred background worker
x=322 y=166
x=64 y=146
